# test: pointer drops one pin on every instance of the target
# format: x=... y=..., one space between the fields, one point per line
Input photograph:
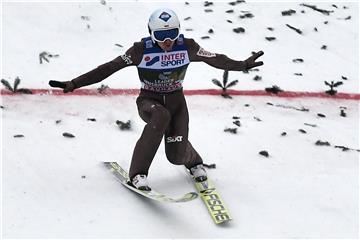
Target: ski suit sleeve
x=130 y=58
x=221 y=61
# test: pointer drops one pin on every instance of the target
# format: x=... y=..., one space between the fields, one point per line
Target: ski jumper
x=161 y=103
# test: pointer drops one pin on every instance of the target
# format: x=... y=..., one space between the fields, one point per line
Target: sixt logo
x=152 y=61
x=174 y=139
x=165 y=16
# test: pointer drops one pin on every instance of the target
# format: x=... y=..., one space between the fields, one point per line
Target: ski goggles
x=163 y=35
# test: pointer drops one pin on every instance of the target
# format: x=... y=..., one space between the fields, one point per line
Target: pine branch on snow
x=102 y=89
x=124 y=126
x=45 y=55
x=225 y=85
x=68 y=135
x=313 y=7
x=231 y=130
x=294 y=28
x=7 y=85
x=332 y=85
x=15 y=89
x=274 y=89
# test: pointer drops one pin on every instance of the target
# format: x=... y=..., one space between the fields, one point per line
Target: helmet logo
x=165 y=16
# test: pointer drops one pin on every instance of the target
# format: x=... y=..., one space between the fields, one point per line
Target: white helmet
x=161 y=20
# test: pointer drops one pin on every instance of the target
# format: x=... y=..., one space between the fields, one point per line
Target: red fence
x=109 y=92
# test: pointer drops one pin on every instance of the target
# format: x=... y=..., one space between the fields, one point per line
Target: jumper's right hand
x=251 y=61
x=67 y=86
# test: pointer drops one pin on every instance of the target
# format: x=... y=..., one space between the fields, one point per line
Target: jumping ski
x=123 y=177
x=212 y=199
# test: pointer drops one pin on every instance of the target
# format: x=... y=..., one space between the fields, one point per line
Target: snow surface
x=301 y=190
x=61 y=30
x=56 y=187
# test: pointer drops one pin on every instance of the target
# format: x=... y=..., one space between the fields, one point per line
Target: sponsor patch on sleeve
x=149 y=44
x=203 y=53
x=127 y=59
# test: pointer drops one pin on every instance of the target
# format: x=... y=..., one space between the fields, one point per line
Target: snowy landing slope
x=56 y=187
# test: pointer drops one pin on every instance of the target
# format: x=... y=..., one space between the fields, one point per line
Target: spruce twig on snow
x=45 y=55
x=313 y=7
x=68 y=135
x=225 y=85
x=294 y=28
x=102 y=89
x=332 y=85
x=264 y=153
x=288 y=12
x=239 y=30
x=15 y=88
x=274 y=89
x=231 y=130
x=270 y=38
x=124 y=126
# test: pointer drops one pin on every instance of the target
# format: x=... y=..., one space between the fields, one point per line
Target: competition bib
x=161 y=71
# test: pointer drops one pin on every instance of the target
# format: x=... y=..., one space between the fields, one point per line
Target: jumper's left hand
x=251 y=61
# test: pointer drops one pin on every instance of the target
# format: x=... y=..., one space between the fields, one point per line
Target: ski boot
x=140 y=182
x=198 y=172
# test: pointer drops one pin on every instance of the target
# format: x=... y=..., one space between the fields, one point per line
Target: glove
x=250 y=62
x=67 y=86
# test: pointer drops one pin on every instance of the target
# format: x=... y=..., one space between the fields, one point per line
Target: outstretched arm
x=131 y=57
x=198 y=54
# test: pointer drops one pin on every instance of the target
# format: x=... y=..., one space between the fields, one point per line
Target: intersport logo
x=150 y=62
x=167 y=60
